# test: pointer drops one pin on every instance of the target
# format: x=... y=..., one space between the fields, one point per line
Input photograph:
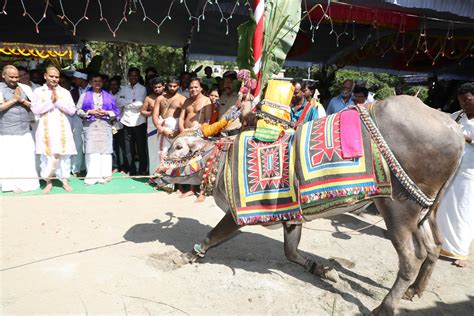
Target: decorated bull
x=398 y=153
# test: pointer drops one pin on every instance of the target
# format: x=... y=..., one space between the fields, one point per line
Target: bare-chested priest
x=165 y=115
x=197 y=110
x=158 y=87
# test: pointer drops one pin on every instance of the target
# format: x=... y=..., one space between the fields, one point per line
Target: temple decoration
x=21 y=50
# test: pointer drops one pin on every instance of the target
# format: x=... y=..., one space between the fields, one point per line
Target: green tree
x=118 y=57
x=296 y=72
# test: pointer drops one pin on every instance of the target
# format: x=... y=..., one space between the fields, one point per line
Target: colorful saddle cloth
x=326 y=180
x=259 y=179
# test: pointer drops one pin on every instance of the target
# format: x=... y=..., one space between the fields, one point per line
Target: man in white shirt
x=27 y=86
x=134 y=122
x=119 y=157
x=81 y=84
x=184 y=83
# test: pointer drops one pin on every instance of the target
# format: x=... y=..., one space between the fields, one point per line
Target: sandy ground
x=112 y=254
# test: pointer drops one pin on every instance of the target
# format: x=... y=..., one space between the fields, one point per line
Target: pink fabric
x=351 y=135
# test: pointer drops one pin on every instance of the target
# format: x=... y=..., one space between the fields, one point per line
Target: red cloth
x=351 y=135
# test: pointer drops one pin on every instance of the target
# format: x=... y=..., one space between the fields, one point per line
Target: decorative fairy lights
x=106 y=21
x=226 y=19
x=158 y=25
x=36 y=22
x=399 y=45
x=74 y=24
x=3 y=8
x=226 y=9
x=131 y=7
x=313 y=28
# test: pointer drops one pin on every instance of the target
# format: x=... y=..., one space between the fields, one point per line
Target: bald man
x=17 y=158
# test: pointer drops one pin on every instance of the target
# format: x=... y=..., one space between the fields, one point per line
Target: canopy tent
x=401 y=35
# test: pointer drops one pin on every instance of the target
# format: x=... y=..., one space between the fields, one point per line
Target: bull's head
x=186 y=146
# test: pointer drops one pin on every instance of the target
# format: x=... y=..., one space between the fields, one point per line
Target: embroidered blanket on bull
x=326 y=179
x=259 y=179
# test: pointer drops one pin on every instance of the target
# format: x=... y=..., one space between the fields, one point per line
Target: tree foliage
x=329 y=82
x=118 y=57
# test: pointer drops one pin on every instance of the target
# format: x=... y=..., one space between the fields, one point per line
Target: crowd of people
x=96 y=125
x=55 y=126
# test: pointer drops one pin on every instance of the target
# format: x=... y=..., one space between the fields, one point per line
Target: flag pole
x=257 y=43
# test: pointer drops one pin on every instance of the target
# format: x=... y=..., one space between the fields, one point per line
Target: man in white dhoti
x=81 y=86
x=54 y=139
x=456 y=213
x=17 y=148
x=28 y=87
x=158 y=86
x=98 y=109
x=166 y=118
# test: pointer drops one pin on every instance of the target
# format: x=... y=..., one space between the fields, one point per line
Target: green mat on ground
x=119 y=185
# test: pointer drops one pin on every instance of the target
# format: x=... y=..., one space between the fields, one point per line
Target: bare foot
x=460 y=263
x=201 y=198
x=47 y=188
x=67 y=187
x=186 y=194
x=178 y=191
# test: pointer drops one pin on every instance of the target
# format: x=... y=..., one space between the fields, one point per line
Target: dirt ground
x=112 y=254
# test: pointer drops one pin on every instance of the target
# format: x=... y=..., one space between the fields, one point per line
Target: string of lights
x=227 y=9
x=74 y=24
x=374 y=33
x=3 y=8
x=36 y=22
x=106 y=21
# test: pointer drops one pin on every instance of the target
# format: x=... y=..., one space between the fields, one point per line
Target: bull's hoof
x=324 y=272
x=185 y=258
x=332 y=275
x=181 y=259
x=190 y=257
x=411 y=293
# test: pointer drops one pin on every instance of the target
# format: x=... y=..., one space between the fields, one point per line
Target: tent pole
x=185 y=57
x=83 y=54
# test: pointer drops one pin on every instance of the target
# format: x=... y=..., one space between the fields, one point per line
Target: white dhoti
x=17 y=159
x=456 y=216
x=52 y=166
x=99 y=168
x=77 y=161
x=99 y=148
x=34 y=127
x=152 y=142
x=164 y=142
